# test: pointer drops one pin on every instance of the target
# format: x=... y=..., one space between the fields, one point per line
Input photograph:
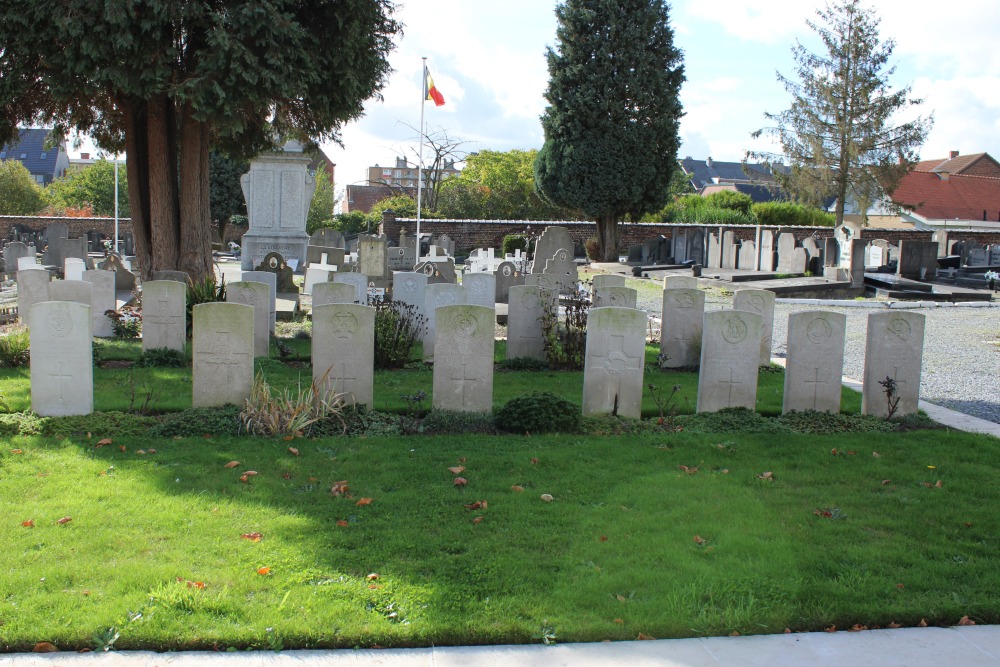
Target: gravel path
x=961 y=362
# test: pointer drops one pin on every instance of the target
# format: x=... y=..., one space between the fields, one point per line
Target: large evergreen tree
x=165 y=79
x=839 y=134
x=613 y=116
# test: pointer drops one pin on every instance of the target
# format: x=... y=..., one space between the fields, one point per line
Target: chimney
x=708 y=162
x=84 y=156
x=953 y=155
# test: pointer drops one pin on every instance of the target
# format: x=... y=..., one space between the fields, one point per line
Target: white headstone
x=894 y=350
x=480 y=289
x=680 y=329
x=271 y=280
x=730 y=357
x=26 y=263
x=410 y=287
x=73 y=268
x=760 y=301
x=32 y=288
x=62 y=359
x=815 y=361
x=680 y=282
x=358 y=281
x=164 y=315
x=603 y=280
x=102 y=285
x=615 y=297
x=223 y=351
x=524 y=322
x=72 y=290
x=463 y=371
x=254 y=294
x=436 y=296
x=615 y=359
x=328 y=293
x=343 y=351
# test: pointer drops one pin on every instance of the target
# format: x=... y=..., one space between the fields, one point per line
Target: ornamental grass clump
x=14 y=346
x=270 y=413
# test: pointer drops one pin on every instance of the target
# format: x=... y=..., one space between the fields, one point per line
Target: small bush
x=398 y=328
x=271 y=413
x=538 y=412
x=615 y=425
x=161 y=357
x=513 y=242
x=196 y=422
x=787 y=213
x=98 y=425
x=823 y=423
x=730 y=420
x=14 y=346
x=206 y=291
x=356 y=421
x=735 y=201
x=593 y=248
x=522 y=364
x=20 y=423
x=126 y=323
x=442 y=422
x=566 y=341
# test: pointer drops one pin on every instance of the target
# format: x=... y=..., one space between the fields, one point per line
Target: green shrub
x=538 y=412
x=513 y=242
x=356 y=421
x=565 y=341
x=14 y=346
x=98 y=425
x=712 y=216
x=592 y=246
x=614 y=425
x=126 y=323
x=398 y=328
x=736 y=201
x=442 y=422
x=823 y=423
x=787 y=213
x=730 y=420
x=206 y=291
x=522 y=364
x=196 y=422
x=161 y=357
x=20 y=423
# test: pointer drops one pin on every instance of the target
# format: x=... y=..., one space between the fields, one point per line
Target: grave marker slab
x=680 y=282
x=102 y=284
x=178 y=276
x=223 y=351
x=524 y=322
x=334 y=293
x=255 y=295
x=552 y=240
x=616 y=349
x=602 y=280
x=32 y=288
x=271 y=280
x=71 y=290
x=343 y=351
x=438 y=295
x=615 y=297
x=124 y=278
x=410 y=287
x=681 y=327
x=786 y=251
x=73 y=268
x=760 y=301
x=714 y=251
x=480 y=289
x=766 y=250
x=28 y=263
x=815 y=361
x=507 y=276
x=164 y=315
x=463 y=372
x=356 y=280
x=62 y=359
x=730 y=357
x=894 y=349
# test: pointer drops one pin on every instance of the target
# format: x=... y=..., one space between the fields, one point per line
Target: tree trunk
x=607 y=237
x=164 y=219
x=137 y=167
x=195 y=255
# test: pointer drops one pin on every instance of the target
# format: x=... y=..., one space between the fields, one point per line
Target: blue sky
x=487 y=58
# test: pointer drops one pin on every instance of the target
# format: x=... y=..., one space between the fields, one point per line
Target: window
x=3 y=155
x=24 y=156
x=40 y=180
x=42 y=156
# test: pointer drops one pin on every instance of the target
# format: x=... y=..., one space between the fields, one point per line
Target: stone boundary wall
x=471 y=234
x=77 y=226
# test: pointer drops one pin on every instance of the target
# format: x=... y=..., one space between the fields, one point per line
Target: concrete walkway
x=969 y=646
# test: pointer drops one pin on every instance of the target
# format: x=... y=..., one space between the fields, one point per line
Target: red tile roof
x=976 y=164
x=961 y=197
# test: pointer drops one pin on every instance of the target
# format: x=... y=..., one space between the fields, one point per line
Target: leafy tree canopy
x=321 y=206
x=93 y=185
x=19 y=193
x=165 y=79
x=614 y=113
x=840 y=134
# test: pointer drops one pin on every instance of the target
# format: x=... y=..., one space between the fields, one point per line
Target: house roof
x=363 y=197
x=976 y=164
x=709 y=171
x=957 y=197
x=30 y=150
x=759 y=192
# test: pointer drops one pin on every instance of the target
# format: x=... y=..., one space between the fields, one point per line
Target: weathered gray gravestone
x=32 y=288
x=178 y=276
x=507 y=276
x=62 y=371
x=786 y=250
x=255 y=295
x=766 y=250
x=328 y=293
x=547 y=281
x=463 y=372
x=438 y=295
x=552 y=240
x=102 y=284
x=271 y=280
x=602 y=280
x=563 y=265
x=164 y=315
x=730 y=250
x=680 y=282
x=747 y=257
x=681 y=326
x=615 y=356
x=356 y=280
x=894 y=350
x=12 y=252
x=410 y=287
x=714 y=251
x=615 y=297
x=524 y=322
x=815 y=361
x=223 y=351
x=55 y=236
x=760 y=301
x=275 y=263
x=124 y=278
x=72 y=290
x=480 y=289
x=730 y=357
x=373 y=257
x=343 y=351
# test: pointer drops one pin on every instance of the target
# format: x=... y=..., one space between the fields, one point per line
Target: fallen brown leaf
x=618 y=621
x=734 y=633
x=479 y=504
x=45 y=647
x=150 y=451
x=886 y=482
x=832 y=628
x=263 y=571
x=534 y=460
x=965 y=620
x=293 y=451
x=30 y=523
x=253 y=537
x=517 y=488
x=922 y=623
x=602 y=538
x=343 y=524
x=766 y=476
x=103 y=441
x=232 y=464
x=876 y=455
x=478 y=519
x=286 y=475
x=460 y=481
x=288 y=438
x=691 y=470
x=339 y=488
x=644 y=637
x=699 y=540
x=17 y=451
x=939 y=484
x=894 y=625
x=857 y=627
x=65 y=519
x=141 y=452
x=372 y=576
x=363 y=502
x=788 y=631
x=455 y=470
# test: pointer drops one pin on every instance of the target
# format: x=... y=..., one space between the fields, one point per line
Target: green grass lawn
x=631 y=542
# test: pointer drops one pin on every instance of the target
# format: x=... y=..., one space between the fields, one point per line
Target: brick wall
x=77 y=226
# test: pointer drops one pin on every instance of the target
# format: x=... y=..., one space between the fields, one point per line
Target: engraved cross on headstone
x=616 y=361
x=61 y=377
x=815 y=382
x=161 y=317
x=223 y=357
x=342 y=383
x=464 y=378
x=730 y=382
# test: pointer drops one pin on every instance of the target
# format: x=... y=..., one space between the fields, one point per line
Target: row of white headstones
x=728 y=346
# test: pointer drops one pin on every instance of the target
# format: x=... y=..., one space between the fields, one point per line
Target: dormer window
x=24 y=156
x=42 y=156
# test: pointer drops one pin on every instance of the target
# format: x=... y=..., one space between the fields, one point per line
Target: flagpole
x=420 y=152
